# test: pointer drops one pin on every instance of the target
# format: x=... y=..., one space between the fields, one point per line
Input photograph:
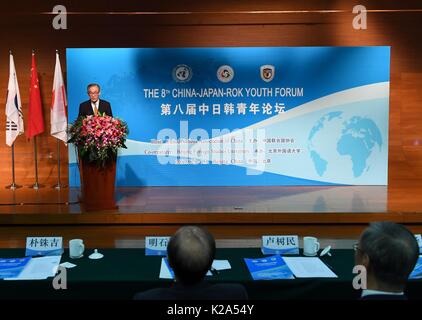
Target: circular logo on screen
x=225 y=73
x=182 y=73
x=267 y=72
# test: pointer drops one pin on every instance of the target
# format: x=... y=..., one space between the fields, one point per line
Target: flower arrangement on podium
x=98 y=138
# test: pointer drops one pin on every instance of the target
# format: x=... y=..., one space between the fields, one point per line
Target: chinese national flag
x=35 y=118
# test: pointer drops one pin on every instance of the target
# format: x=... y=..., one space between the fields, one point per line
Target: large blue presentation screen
x=243 y=116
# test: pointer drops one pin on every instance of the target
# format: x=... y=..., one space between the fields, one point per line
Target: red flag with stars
x=35 y=117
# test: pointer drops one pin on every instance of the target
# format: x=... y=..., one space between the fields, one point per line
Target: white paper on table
x=216 y=264
x=39 y=268
x=164 y=270
x=219 y=265
x=311 y=267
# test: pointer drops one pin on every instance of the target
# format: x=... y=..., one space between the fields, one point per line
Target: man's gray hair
x=93 y=85
x=191 y=251
x=392 y=250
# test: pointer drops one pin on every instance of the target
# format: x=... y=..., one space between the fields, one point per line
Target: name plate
x=276 y=244
x=156 y=246
x=44 y=246
x=419 y=240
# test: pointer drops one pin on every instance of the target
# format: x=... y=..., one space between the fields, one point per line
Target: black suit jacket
x=201 y=291
x=85 y=108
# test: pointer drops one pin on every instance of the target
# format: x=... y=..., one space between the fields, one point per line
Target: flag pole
x=59 y=78
x=35 y=185
x=58 y=186
x=13 y=185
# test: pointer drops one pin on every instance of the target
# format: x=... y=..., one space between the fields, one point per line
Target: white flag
x=14 y=115
x=58 y=105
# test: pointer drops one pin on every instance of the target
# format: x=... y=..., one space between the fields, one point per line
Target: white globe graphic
x=349 y=146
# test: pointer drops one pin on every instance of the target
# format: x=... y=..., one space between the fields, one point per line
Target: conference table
x=123 y=272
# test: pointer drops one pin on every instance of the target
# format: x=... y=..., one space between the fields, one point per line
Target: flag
x=35 y=118
x=14 y=115
x=58 y=105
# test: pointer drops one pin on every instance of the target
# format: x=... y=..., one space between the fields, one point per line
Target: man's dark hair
x=191 y=251
x=93 y=85
x=392 y=250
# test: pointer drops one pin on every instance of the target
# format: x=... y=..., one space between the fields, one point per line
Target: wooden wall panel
x=218 y=23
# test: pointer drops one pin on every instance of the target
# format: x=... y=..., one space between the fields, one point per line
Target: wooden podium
x=97 y=185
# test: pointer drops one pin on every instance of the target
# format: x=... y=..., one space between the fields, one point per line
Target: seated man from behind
x=389 y=253
x=191 y=251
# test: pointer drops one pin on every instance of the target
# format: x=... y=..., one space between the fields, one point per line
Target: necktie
x=95 y=109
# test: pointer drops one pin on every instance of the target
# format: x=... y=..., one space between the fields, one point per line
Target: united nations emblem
x=182 y=73
x=267 y=72
x=225 y=73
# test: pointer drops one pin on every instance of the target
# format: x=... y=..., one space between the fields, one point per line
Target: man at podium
x=94 y=105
